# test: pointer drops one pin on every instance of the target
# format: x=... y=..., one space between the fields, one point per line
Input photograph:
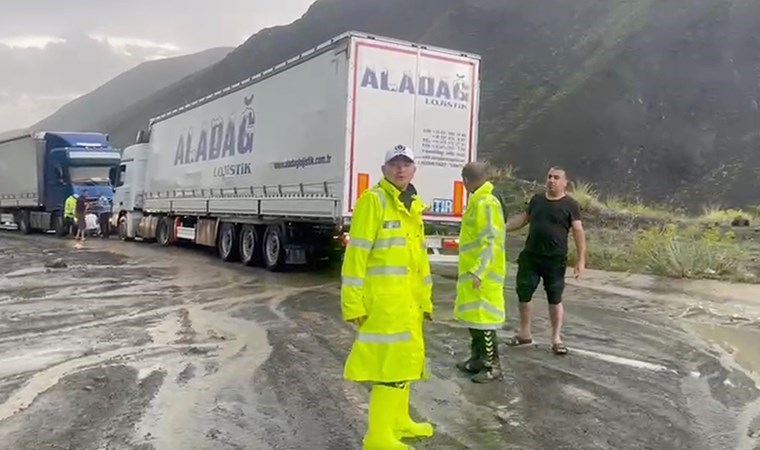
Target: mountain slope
x=652 y=98
x=88 y=111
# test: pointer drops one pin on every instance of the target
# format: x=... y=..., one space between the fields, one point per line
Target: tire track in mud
x=202 y=352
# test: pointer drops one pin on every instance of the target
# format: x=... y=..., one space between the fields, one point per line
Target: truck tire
x=227 y=242
x=59 y=225
x=274 y=248
x=122 y=229
x=250 y=246
x=164 y=232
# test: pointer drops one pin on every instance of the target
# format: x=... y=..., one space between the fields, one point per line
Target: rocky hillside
x=651 y=98
x=89 y=111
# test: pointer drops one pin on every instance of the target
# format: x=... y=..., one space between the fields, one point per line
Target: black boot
x=475 y=363
x=491 y=369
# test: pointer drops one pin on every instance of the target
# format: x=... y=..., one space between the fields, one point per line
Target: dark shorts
x=81 y=223
x=534 y=268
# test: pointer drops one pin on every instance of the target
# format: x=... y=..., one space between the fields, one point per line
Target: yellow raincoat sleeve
x=489 y=219
x=367 y=217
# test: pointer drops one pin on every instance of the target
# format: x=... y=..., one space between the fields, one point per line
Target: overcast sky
x=52 y=51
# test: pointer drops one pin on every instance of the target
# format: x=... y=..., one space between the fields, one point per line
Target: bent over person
x=482 y=266
x=386 y=292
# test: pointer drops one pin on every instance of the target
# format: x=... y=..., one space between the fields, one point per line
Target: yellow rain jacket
x=386 y=277
x=69 y=207
x=482 y=253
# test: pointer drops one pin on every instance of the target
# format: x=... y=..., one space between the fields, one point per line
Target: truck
x=269 y=169
x=40 y=169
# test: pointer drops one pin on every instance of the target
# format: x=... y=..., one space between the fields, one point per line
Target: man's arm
x=579 y=236
x=517 y=221
x=489 y=220
x=366 y=218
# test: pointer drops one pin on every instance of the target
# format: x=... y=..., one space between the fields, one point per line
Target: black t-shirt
x=550 y=223
x=80 y=205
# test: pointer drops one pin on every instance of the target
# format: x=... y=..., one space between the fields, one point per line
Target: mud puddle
x=742 y=343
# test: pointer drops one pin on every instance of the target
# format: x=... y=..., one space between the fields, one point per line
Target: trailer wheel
x=250 y=246
x=274 y=248
x=164 y=232
x=227 y=243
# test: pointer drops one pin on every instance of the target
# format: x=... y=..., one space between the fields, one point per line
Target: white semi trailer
x=268 y=170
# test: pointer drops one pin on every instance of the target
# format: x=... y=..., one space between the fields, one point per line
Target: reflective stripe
x=381 y=196
x=359 y=242
x=390 y=242
x=481 y=304
x=388 y=270
x=352 y=281
x=427 y=280
x=495 y=278
x=480 y=326
x=391 y=224
x=470 y=245
x=488 y=253
x=384 y=338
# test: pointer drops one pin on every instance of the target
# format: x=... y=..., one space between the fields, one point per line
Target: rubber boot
x=405 y=426
x=383 y=409
x=492 y=364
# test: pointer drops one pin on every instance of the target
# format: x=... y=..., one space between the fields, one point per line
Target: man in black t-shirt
x=551 y=216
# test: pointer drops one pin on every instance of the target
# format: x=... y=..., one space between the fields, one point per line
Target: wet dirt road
x=132 y=346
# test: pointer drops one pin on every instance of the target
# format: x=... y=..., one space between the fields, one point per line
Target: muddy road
x=132 y=346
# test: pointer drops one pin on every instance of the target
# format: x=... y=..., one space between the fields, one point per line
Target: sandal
x=514 y=341
x=559 y=349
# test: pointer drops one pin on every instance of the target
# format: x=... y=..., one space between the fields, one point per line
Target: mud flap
x=296 y=255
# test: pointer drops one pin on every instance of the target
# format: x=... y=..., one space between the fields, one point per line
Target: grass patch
x=716 y=214
x=691 y=252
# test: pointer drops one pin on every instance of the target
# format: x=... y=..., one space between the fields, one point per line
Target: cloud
x=127 y=45
x=39 y=42
x=49 y=54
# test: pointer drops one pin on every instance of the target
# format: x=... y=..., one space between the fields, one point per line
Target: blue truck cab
x=42 y=169
x=78 y=162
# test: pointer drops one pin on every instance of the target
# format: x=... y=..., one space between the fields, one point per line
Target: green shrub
x=605 y=250
x=586 y=195
x=688 y=253
x=639 y=208
x=715 y=214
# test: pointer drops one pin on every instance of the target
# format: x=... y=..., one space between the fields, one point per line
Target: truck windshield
x=90 y=176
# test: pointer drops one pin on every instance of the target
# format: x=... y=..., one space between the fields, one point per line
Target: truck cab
x=130 y=185
x=42 y=169
x=77 y=162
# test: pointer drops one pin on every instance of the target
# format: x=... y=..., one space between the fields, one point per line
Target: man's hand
x=580 y=267
x=475 y=281
x=359 y=321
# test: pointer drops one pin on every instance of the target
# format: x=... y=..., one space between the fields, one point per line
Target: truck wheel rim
x=248 y=243
x=273 y=247
x=226 y=241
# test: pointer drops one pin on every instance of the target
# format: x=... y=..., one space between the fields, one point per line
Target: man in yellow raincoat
x=482 y=267
x=69 y=207
x=386 y=292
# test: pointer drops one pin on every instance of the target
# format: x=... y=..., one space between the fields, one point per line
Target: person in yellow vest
x=480 y=304
x=69 y=208
x=386 y=291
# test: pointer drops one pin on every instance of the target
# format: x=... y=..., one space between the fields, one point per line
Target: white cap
x=399 y=150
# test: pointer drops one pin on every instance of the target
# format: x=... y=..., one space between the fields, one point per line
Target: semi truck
x=269 y=169
x=39 y=170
